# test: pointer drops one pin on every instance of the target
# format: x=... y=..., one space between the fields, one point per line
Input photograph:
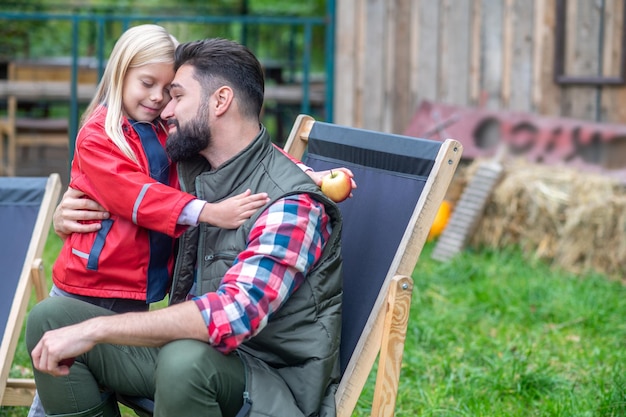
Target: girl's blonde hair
x=138 y=46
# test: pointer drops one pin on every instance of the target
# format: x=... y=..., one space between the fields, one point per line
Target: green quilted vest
x=293 y=363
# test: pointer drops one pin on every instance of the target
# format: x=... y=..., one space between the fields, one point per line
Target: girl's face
x=146 y=91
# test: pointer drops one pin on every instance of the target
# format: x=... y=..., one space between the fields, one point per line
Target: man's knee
x=182 y=360
x=191 y=373
x=195 y=364
x=178 y=379
x=39 y=321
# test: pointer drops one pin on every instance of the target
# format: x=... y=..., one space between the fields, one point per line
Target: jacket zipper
x=218 y=256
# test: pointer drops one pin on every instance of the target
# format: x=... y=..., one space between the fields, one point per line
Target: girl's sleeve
x=103 y=172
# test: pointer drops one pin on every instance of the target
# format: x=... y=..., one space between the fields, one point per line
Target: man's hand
x=55 y=352
x=74 y=208
x=57 y=348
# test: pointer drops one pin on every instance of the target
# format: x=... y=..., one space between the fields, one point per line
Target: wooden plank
x=345 y=62
x=299 y=136
x=611 y=53
x=537 y=38
x=292 y=94
x=476 y=47
x=492 y=54
x=455 y=47
x=374 y=70
x=548 y=93
x=389 y=66
x=402 y=108
x=52 y=70
x=360 y=56
x=507 y=56
x=359 y=53
x=392 y=346
x=613 y=98
x=414 y=53
x=49 y=90
x=428 y=47
x=19 y=392
x=581 y=58
x=522 y=56
x=570 y=35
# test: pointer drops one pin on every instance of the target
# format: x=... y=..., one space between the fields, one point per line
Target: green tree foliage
x=52 y=37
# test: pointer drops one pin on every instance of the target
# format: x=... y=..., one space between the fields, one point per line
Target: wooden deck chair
x=26 y=208
x=401 y=183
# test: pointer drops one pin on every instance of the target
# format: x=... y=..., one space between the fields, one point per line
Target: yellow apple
x=441 y=220
x=337 y=185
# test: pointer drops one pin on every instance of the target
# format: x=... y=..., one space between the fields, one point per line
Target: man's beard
x=188 y=140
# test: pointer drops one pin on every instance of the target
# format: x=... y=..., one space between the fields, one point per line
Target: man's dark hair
x=219 y=62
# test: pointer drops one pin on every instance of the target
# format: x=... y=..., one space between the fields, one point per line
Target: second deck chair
x=401 y=183
x=26 y=208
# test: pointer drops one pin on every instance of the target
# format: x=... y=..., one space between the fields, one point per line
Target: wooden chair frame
x=385 y=332
x=20 y=392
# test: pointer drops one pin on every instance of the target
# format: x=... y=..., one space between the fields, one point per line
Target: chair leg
x=392 y=347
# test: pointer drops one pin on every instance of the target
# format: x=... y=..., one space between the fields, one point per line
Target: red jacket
x=114 y=263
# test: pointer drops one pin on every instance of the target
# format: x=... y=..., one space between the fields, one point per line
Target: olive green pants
x=184 y=377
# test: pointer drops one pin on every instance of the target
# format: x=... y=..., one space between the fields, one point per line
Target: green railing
x=286 y=40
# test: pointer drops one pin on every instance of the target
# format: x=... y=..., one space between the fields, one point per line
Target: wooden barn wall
x=493 y=54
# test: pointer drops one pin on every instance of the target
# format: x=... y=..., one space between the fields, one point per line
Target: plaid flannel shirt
x=284 y=244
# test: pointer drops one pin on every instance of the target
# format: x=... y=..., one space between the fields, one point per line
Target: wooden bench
x=27 y=131
x=37 y=83
x=53 y=69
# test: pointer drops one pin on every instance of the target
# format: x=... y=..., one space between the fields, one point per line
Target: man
x=255 y=318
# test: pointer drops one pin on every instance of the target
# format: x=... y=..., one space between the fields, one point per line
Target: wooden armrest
x=19 y=392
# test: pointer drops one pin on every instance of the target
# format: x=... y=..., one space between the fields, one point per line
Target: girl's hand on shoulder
x=234 y=211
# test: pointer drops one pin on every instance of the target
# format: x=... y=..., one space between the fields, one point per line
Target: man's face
x=188 y=125
x=188 y=140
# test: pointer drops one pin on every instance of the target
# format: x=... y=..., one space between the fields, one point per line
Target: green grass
x=493 y=334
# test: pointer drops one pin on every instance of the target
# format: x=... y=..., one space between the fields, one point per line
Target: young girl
x=120 y=162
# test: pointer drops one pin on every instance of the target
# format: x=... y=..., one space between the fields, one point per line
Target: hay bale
x=574 y=220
